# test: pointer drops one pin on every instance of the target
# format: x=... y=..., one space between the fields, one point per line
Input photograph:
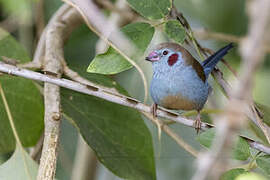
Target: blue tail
x=210 y=62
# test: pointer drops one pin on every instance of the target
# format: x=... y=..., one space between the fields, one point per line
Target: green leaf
x=116 y=133
x=266 y=113
x=175 y=31
x=263 y=162
x=241 y=150
x=102 y=114
x=19 y=166
x=206 y=137
x=250 y=176
x=232 y=174
x=24 y=100
x=151 y=9
x=111 y=62
x=257 y=132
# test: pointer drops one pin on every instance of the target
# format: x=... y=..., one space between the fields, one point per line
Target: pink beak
x=153 y=56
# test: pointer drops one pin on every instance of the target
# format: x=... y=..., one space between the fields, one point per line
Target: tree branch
x=228 y=125
x=112 y=97
x=52 y=66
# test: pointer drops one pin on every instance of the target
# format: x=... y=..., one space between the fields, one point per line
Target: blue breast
x=183 y=83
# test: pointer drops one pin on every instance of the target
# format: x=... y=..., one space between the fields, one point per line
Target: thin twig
x=206 y=34
x=172 y=134
x=109 y=96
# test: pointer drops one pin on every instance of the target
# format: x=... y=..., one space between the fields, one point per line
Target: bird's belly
x=179 y=94
x=177 y=102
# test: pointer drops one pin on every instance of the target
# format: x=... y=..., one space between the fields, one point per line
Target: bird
x=179 y=81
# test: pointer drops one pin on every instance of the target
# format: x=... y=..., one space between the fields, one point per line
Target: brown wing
x=189 y=59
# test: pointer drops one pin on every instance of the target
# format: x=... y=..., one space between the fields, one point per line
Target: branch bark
x=53 y=67
x=112 y=97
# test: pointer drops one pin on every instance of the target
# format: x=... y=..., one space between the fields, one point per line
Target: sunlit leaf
x=175 y=31
x=151 y=9
x=111 y=62
x=250 y=176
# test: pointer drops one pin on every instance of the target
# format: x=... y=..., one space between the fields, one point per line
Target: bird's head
x=166 y=56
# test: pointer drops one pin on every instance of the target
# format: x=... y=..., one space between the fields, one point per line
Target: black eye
x=165 y=52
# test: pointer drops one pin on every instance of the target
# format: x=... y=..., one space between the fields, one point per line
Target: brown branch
x=52 y=118
x=109 y=96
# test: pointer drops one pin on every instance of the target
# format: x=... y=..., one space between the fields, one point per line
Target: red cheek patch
x=172 y=59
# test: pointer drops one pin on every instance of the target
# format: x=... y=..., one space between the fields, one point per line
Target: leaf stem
x=11 y=121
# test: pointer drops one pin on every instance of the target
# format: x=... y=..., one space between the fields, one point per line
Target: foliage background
x=225 y=16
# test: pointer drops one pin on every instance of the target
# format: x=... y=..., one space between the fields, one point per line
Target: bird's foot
x=198 y=123
x=154 y=113
x=154 y=110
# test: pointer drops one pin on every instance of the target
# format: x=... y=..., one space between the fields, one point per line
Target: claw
x=154 y=113
x=198 y=123
x=154 y=110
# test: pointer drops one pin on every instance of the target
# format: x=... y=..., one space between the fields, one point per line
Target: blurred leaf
x=232 y=174
x=263 y=162
x=111 y=62
x=175 y=31
x=19 y=166
x=116 y=133
x=206 y=137
x=227 y=16
x=250 y=176
x=50 y=7
x=21 y=9
x=151 y=9
x=257 y=131
x=266 y=113
x=241 y=150
x=24 y=100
